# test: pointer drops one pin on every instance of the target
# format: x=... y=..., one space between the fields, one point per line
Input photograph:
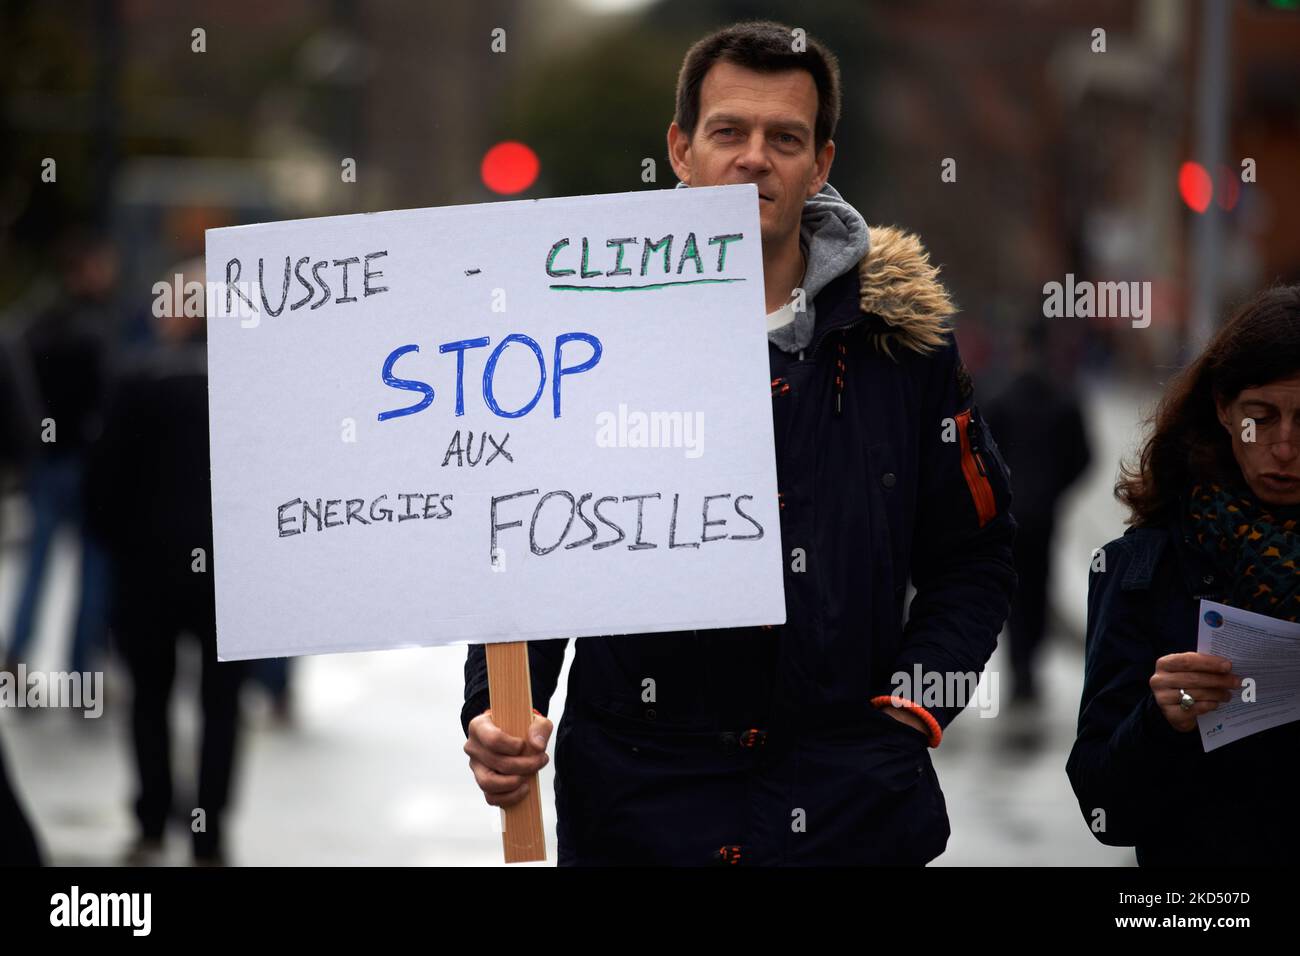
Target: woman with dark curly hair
x=1214 y=501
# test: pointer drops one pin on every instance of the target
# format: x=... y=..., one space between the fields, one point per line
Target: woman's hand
x=1206 y=677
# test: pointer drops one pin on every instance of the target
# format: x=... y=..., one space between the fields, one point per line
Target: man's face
x=1271 y=463
x=756 y=128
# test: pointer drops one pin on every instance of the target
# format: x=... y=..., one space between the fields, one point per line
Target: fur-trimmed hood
x=898 y=285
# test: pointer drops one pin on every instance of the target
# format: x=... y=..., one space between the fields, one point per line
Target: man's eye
x=727 y=131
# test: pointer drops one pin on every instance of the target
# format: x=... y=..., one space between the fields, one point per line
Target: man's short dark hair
x=767 y=47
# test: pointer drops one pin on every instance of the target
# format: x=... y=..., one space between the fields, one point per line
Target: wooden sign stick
x=510 y=695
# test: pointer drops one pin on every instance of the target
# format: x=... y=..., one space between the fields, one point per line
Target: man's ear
x=822 y=168
x=679 y=152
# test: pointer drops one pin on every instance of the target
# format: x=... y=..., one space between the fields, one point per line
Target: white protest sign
x=501 y=422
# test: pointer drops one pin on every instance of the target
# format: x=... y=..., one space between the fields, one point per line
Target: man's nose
x=754 y=156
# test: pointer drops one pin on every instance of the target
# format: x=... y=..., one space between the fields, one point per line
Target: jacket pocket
x=867 y=798
x=628 y=792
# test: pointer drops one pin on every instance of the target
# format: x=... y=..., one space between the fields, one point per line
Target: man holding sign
x=803 y=742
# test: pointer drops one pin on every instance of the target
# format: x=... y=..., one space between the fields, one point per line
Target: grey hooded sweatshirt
x=834 y=239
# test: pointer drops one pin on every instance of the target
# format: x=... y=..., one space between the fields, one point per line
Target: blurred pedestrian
x=1039 y=427
x=1215 y=513
x=65 y=347
x=151 y=505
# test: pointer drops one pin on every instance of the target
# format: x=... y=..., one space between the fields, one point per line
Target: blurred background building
x=1136 y=140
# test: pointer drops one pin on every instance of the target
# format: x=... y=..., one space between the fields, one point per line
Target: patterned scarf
x=1256 y=545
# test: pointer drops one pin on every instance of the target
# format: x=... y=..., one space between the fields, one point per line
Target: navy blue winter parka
x=761 y=745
